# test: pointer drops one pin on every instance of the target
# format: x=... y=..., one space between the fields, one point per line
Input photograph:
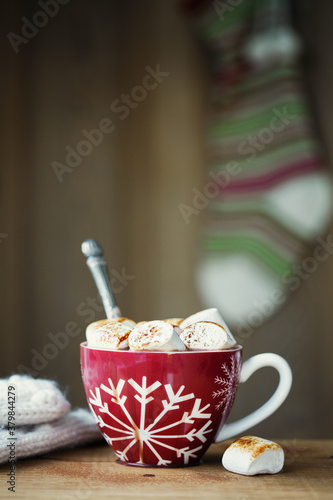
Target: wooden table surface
x=92 y=472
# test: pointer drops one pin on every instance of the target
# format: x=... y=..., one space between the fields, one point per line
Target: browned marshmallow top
x=174 y=321
x=112 y=335
x=254 y=446
x=205 y=335
x=155 y=336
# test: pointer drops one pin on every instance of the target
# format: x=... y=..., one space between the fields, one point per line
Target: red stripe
x=267 y=181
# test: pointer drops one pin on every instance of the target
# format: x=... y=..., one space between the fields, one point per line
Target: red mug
x=165 y=409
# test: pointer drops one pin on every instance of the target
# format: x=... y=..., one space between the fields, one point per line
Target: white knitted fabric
x=77 y=427
x=36 y=401
x=42 y=421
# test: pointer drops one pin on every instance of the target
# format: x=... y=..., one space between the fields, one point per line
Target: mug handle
x=282 y=391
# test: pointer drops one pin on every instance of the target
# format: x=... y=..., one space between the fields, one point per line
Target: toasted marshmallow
x=211 y=315
x=92 y=327
x=141 y=323
x=204 y=336
x=124 y=321
x=252 y=455
x=103 y=322
x=174 y=321
x=112 y=335
x=155 y=336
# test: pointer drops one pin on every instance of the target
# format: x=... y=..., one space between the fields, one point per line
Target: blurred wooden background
x=126 y=194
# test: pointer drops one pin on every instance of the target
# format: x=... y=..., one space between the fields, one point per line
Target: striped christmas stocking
x=269 y=190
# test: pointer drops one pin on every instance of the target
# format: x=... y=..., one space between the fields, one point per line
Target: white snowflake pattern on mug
x=151 y=436
x=228 y=383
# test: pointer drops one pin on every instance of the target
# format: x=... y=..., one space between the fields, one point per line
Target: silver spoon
x=99 y=270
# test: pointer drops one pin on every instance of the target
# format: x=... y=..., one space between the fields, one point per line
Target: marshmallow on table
x=252 y=455
x=211 y=315
x=205 y=335
x=155 y=336
x=111 y=335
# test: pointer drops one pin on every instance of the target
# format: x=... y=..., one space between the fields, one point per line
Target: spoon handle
x=99 y=270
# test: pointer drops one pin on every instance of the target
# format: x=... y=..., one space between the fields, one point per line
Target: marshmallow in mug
x=102 y=322
x=252 y=455
x=211 y=315
x=205 y=335
x=110 y=334
x=93 y=326
x=175 y=322
x=155 y=336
